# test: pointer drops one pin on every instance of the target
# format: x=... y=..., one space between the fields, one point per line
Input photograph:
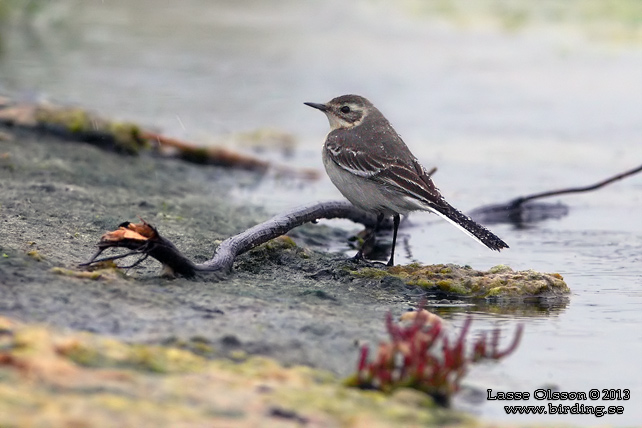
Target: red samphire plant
x=421 y=356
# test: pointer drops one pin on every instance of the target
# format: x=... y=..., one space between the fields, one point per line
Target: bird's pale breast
x=367 y=194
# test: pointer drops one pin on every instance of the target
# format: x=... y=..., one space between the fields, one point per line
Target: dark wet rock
x=393 y=283
x=231 y=341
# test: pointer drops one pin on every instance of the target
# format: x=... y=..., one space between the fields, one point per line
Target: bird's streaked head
x=346 y=111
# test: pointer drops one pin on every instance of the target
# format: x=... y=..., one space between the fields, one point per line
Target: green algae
x=280 y=243
x=90 y=351
x=126 y=137
x=49 y=378
x=273 y=251
x=107 y=271
x=498 y=282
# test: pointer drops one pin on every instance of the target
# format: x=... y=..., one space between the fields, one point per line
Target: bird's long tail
x=466 y=224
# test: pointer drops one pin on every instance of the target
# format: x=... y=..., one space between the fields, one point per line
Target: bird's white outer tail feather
x=476 y=231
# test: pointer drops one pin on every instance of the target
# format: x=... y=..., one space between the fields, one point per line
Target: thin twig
x=94 y=260
x=136 y=263
x=519 y=213
x=519 y=201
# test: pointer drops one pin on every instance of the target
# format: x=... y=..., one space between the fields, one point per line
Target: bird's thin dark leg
x=370 y=238
x=395 y=221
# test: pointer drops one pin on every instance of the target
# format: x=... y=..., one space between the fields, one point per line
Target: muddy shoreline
x=296 y=305
x=58 y=197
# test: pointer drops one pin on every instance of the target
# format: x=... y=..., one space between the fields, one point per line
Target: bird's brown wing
x=355 y=160
x=409 y=178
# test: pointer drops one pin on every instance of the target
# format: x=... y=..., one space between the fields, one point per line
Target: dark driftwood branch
x=221 y=156
x=523 y=210
x=76 y=124
x=519 y=201
x=144 y=240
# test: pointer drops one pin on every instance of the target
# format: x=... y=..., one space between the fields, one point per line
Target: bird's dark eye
x=345 y=109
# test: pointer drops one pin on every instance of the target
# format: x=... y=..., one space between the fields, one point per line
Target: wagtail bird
x=374 y=169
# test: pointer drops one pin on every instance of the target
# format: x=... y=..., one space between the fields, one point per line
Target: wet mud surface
x=296 y=305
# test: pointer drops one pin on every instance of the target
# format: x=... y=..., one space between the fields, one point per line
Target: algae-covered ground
x=294 y=304
x=499 y=282
x=49 y=378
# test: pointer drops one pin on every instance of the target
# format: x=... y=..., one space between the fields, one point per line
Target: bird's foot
x=358 y=257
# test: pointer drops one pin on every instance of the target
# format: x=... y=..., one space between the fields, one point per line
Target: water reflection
x=527 y=308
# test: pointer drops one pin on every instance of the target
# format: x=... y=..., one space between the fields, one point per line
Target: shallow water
x=501 y=115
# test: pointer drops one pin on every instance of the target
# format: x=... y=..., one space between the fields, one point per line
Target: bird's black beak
x=317 y=106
